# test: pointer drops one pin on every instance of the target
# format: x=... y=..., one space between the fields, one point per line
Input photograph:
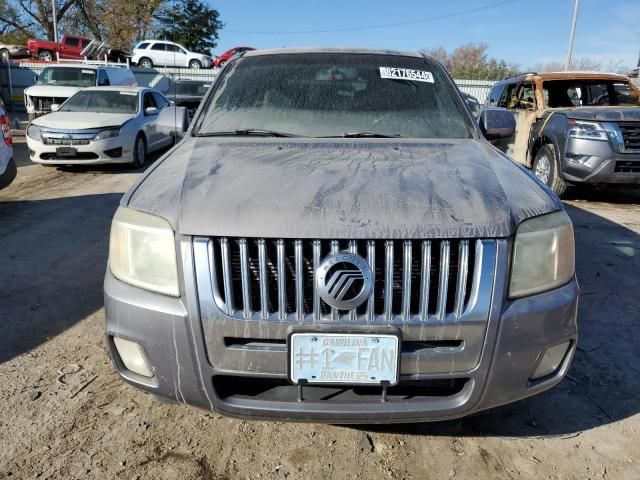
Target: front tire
x=547 y=169
x=46 y=55
x=139 y=152
x=145 y=62
x=195 y=64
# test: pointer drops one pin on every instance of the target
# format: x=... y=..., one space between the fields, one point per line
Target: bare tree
x=471 y=61
x=578 y=64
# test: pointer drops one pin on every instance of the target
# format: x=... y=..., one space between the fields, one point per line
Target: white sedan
x=106 y=125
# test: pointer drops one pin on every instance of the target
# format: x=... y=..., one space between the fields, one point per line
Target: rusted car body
x=589 y=121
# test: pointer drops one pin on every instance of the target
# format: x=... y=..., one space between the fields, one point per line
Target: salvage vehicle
x=341 y=248
x=56 y=83
x=8 y=168
x=106 y=125
x=68 y=48
x=150 y=53
x=188 y=94
x=473 y=104
x=13 y=51
x=573 y=128
x=221 y=60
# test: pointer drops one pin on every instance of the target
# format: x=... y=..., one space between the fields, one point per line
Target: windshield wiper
x=248 y=132
x=364 y=135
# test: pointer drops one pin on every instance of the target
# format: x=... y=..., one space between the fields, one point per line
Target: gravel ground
x=64 y=413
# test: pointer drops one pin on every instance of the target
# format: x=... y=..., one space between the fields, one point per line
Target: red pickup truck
x=68 y=48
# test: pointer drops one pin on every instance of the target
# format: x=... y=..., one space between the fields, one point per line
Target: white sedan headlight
x=142 y=251
x=543 y=255
x=33 y=131
x=108 y=133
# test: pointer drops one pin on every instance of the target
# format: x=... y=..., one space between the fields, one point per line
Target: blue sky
x=525 y=31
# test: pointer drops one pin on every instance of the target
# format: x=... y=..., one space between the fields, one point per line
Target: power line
x=631 y=29
x=372 y=27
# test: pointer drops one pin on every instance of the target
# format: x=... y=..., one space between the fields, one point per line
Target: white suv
x=7 y=164
x=148 y=53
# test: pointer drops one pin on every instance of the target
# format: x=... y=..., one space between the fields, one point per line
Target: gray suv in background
x=336 y=240
x=579 y=128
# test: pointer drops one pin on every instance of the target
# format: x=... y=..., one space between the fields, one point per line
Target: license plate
x=66 y=152
x=343 y=358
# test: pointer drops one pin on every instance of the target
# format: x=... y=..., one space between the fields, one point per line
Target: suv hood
x=340 y=189
x=602 y=114
x=50 y=91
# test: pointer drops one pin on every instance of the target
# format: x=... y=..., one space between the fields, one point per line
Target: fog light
x=114 y=152
x=132 y=356
x=551 y=360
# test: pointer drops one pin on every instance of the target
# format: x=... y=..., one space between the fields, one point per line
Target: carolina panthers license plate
x=343 y=358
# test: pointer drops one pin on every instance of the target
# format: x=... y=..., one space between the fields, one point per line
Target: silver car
x=335 y=240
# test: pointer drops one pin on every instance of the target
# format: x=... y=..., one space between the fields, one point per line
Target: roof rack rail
x=520 y=74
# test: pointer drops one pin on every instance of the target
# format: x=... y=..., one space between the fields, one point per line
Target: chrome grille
x=630 y=136
x=273 y=279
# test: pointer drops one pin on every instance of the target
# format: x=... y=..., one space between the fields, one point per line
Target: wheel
x=547 y=169
x=145 y=62
x=139 y=152
x=195 y=64
x=46 y=55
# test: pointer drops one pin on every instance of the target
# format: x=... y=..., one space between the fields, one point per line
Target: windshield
x=68 y=77
x=320 y=95
x=588 y=93
x=102 y=102
x=194 y=89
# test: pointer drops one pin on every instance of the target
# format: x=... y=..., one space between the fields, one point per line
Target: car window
x=174 y=48
x=102 y=101
x=588 y=93
x=103 y=79
x=85 y=42
x=159 y=47
x=72 y=42
x=68 y=77
x=507 y=95
x=160 y=101
x=520 y=96
x=328 y=94
x=149 y=101
x=143 y=45
x=495 y=94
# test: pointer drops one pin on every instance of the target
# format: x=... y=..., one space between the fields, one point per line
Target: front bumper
x=96 y=152
x=592 y=161
x=172 y=333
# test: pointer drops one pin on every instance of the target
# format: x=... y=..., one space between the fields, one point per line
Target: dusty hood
x=340 y=189
x=80 y=121
x=50 y=91
x=603 y=114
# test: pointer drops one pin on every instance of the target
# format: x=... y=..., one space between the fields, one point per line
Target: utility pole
x=55 y=21
x=567 y=66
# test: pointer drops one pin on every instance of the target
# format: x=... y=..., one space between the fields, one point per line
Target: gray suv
x=336 y=240
x=573 y=128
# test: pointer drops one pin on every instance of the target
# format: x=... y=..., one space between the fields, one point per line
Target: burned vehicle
x=343 y=247
x=573 y=127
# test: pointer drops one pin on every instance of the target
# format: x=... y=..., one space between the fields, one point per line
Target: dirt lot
x=53 y=245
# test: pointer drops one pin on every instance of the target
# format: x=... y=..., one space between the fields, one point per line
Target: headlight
x=33 y=131
x=586 y=130
x=543 y=255
x=109 y=133
x=142 y=251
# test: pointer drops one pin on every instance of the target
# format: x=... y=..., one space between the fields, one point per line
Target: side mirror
x=55 y=107
x=151 y=111
x=497 y=123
